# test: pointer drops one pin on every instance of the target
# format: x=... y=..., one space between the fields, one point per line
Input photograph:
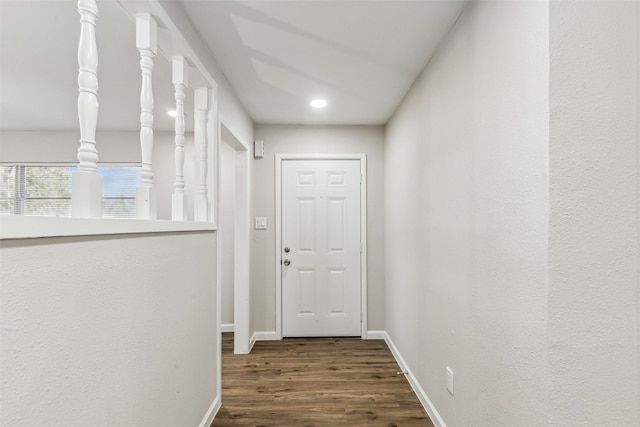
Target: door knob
x=286 y=249
x=287 y=262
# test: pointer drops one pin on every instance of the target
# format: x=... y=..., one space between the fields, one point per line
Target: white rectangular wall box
x=450 y=380
x=261 y=223
x=258 y=149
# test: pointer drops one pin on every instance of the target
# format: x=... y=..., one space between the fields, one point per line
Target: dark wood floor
x=316 y=382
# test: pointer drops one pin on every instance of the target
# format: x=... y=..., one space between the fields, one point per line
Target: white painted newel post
x=201 y=111
x=146 y=42
x=180 y=79
x=86 y=183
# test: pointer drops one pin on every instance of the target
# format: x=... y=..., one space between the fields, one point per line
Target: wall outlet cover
x=450 y=380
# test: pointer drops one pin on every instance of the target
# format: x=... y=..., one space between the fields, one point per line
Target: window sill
x=28 y=227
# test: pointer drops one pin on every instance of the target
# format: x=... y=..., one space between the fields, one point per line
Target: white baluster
x=180 y=80
x=201 y=111
x=147 y=43
x=86 y=183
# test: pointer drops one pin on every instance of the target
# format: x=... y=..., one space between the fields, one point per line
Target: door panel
x=321 y=227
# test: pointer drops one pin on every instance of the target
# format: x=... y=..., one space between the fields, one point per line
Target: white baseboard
x=376 y=335
x=227 y=327
x=266 y=336
x=262 y=336
x=415 y=385
x=252 y=342
x=211 y=413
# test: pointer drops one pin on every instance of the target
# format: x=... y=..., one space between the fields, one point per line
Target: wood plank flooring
x=316 y=382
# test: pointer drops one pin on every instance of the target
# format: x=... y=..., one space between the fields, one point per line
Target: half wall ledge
x=26 y=227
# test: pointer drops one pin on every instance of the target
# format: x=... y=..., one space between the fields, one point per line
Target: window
x=45 y=190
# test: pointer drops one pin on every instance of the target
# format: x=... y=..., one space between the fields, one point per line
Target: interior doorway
x=234 y=237
x=226 y=231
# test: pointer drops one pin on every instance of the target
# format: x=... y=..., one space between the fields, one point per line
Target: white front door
x=321 y=248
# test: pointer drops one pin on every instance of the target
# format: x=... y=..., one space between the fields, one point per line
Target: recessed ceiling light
x=172 y=113
x=318 y=103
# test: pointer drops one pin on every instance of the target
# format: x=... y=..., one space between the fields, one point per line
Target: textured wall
x=466 y=218
x=593 y=245
x=325 y=140
x=113 y=330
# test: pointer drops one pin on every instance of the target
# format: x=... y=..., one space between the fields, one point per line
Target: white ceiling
x=360 y=55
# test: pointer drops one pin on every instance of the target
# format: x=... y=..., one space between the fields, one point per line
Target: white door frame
x=242 y=242
x=363 y=230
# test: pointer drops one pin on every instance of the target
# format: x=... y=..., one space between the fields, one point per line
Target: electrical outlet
x=450 y=380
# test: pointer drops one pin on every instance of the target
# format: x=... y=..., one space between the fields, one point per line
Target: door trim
x=363 y=231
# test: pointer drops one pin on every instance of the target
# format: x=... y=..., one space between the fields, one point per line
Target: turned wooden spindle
x=201 y=112
x=180 y=80
x=146 y=42
x=86 y=183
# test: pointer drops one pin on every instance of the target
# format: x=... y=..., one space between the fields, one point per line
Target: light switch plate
x=261 y=223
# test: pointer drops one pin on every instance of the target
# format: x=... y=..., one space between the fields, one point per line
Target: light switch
x=261 y=223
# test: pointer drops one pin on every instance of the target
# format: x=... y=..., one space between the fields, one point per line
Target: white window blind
x=7 y=189
x=45 y=190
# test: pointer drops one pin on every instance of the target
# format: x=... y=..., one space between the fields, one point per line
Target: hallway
x=498 y=246
x=316 y=382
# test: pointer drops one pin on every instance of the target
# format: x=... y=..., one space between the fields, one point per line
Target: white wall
x=594 y=303
x=62 y=147
x=108 y=330
x=324 y=140
x=226 y=228
x=466 y=218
